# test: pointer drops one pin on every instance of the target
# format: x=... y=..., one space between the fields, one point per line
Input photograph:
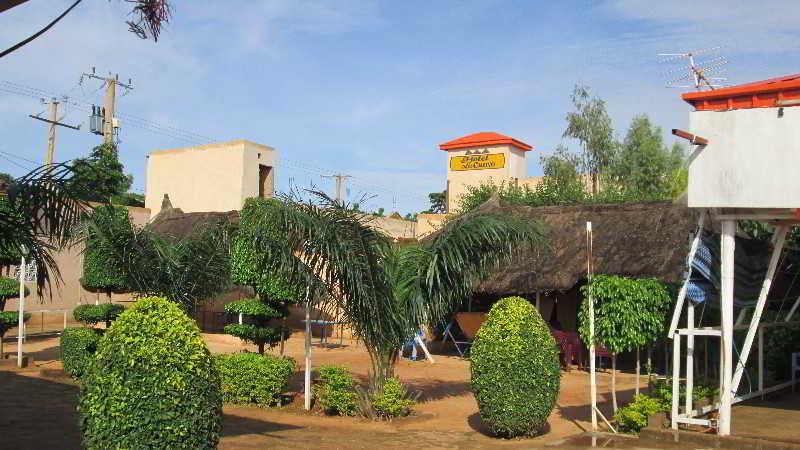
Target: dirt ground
x=38 y=405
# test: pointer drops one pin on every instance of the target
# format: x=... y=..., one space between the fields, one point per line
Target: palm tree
x=38 y=215
x=386 y=291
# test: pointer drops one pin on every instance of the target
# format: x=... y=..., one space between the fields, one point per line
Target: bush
x=101 y=268
x=633 y=417
x=393 y=400
x=515 y=369
x=152 y=383
x=9 y=320
x=93 y=314
x=9 y=287
x=253 y=378
x=336 y=391
x=77 y=348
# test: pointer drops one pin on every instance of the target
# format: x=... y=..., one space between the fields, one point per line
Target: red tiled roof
x=482 y=139
x=760 y=94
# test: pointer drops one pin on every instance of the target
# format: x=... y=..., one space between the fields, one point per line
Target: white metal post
x=21 y=311
x=791 y=311
x=592 y=356
x=780 y=239
x=676 y=377
x=689 y=355
x=728 y=246
x=761 y=360
x=307 y=391
x=539 y=301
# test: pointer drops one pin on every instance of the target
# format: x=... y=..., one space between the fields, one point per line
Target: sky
x=369 y=88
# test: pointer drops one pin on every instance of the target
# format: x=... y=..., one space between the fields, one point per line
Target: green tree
x=187 y=270
x=384 y=291
x=101 y=270
x=100 y=176
x=628 y=314
x=644 y=168
x=438 y=202
x=561 y=183
x=591 y=126
x=5 y=181
x=272 y=289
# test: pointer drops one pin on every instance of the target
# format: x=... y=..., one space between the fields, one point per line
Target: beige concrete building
x=480 y=158
x=211 y=177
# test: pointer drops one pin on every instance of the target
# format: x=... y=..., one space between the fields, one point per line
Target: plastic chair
x=448 y=333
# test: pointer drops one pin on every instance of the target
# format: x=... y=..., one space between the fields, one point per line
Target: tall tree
x=561 y=183
x=274 y=294
x=438 y=202
x=644 y=168
x=100 y=176
x=590 y=125
x=385 y=292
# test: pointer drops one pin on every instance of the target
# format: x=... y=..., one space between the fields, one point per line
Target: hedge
x=93 y=314
x=77 y=348
x=152 y=384
x=336 y=391
x=252 y=378
x=515 y=369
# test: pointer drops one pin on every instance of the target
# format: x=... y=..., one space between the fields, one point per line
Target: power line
x=194 y=138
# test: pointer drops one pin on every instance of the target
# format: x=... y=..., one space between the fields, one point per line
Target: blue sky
x=371 y=88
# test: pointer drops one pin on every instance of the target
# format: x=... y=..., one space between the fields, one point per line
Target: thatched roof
x=175 y=223
x=634 y=239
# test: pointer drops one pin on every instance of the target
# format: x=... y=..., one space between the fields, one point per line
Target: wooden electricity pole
x=341 y=186
x=52 y=121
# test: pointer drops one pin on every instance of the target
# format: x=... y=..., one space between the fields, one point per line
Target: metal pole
x=761 y=361
x=676 y=375
x=307 y=392
x=728 y=247
x=780 y=239
x=689 y=356
x=682 y=293
x=592 y=371
x=21 y=311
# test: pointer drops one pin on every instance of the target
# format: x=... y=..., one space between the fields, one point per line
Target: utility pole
x=52 y=122
x=341 y=186
x=109 y=102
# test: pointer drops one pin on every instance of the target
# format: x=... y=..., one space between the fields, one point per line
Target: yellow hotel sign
x=478 y=162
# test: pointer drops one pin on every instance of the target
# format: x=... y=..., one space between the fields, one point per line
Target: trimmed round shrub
x=515 y=369
x=336 y=391
x=93 y=314
x=77 y=348
x=252 y=378
x=152 y=383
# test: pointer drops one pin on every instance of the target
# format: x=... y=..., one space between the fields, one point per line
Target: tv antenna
x=698 y=71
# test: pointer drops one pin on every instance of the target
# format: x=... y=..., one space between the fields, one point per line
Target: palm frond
x=39 y=215
x=464 y=253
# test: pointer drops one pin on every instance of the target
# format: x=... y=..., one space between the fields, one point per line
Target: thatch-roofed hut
x=647 y=239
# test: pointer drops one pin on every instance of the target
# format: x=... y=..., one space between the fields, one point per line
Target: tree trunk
x=261 y=348
x=283 y=327
x=383 y=362
x=638 y=371
x=614 y=382
x=649 y=370
x=2 y=355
